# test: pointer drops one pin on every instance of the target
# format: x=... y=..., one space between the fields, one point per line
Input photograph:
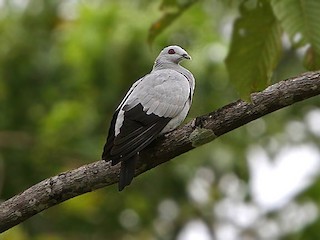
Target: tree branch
x=200 y=130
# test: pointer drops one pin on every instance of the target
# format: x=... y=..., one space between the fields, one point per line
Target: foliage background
x=64 y=66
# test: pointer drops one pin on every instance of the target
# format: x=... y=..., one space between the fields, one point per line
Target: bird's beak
x=186 y=56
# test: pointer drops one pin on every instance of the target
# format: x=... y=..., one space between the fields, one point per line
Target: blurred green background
x=64 y=67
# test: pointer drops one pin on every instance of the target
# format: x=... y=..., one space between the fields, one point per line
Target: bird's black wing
x=110 y=138
x=138 y=130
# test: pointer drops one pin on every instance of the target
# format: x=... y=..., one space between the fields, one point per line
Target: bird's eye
x=171 y=51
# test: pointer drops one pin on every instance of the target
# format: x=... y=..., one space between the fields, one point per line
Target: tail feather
x=126 y=172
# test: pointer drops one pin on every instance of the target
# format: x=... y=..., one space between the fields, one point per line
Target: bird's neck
x=159 y=65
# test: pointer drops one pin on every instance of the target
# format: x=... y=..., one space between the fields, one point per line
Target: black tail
x=127 y=172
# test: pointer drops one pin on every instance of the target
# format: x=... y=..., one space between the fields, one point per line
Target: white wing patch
x=119 y=122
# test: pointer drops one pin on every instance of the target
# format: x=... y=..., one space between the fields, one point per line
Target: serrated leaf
x=172 y=10
x=255 y=48
x=301 y=20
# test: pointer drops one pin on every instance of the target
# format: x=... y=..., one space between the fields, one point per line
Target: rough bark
x=200 y=130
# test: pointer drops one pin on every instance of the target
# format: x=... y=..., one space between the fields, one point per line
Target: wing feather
x=158 y=89
x=138 y=130
x=110 y=138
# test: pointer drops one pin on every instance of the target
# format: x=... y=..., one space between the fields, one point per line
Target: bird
x=154 y=105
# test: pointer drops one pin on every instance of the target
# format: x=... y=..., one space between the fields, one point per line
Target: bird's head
x=173 y=54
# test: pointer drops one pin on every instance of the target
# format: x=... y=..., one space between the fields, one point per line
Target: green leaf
x=255 y=48
x=172 y=10
x=301 y=20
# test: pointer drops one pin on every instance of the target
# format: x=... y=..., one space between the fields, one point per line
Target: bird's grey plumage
x=154 y=105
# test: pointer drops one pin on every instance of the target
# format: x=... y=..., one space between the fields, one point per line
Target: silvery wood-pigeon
x=155 y=104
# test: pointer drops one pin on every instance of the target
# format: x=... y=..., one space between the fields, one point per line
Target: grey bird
x=155 y=104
